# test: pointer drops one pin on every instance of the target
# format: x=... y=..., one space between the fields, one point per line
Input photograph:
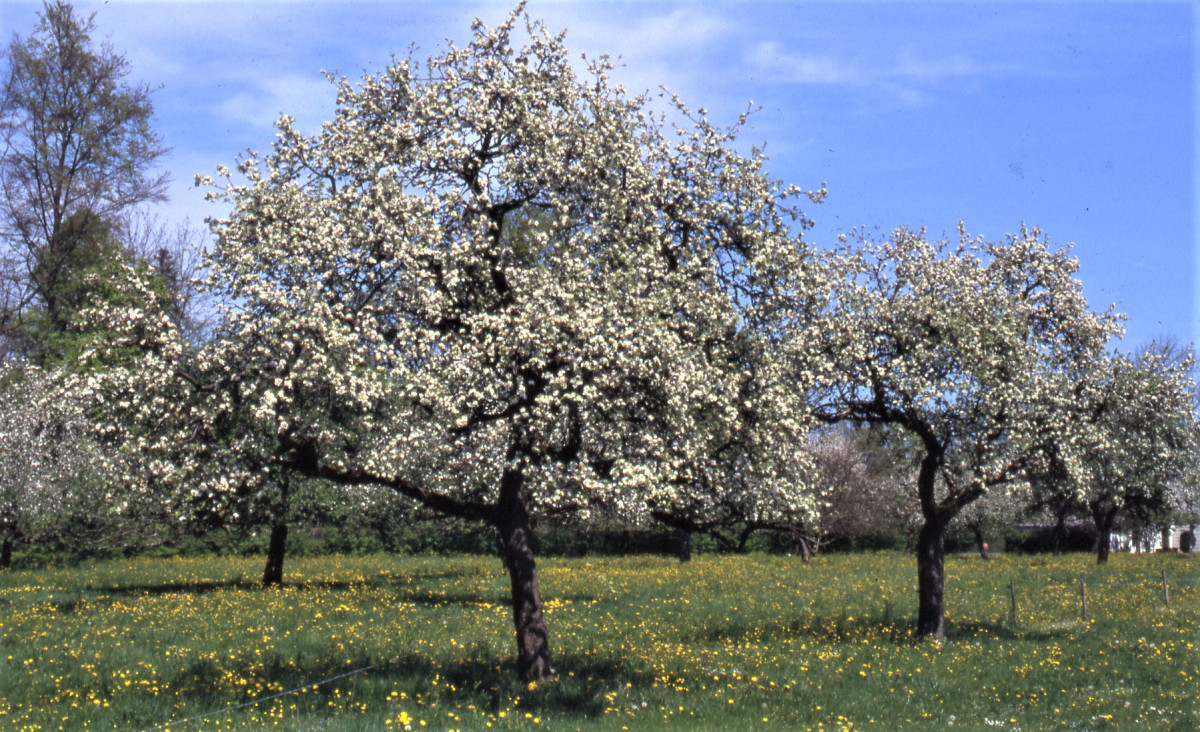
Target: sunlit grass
x=720 y=643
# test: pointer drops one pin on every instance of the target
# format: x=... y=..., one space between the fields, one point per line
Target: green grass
x=753 y=642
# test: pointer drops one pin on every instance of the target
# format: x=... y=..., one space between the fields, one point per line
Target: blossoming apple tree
x=1145 y=440
x=497 y=288
x=754 y=465
x=984 y=352
x=51 y=474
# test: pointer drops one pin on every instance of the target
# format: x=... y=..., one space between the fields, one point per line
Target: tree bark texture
x=277 y=548
x=516 y=547
x=931 y=579
x=6 y=550
x=931 y=548
x=276 y=551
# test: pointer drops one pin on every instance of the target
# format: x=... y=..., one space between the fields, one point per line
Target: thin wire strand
x=252 y=702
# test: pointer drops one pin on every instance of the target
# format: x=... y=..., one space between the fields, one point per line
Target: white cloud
x=684 y=30
x=805 y=69
x=932 y=71
x=679 y=47
x=911 y=66
x=309 y=98
x=905 y=76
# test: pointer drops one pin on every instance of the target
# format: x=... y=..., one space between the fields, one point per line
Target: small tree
x=389 y=327
x=991 y=513
x=863 y=485
x=58 y=330
x=1145 y=440
x=983 y=352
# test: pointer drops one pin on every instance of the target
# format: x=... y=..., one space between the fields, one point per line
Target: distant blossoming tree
x=53 y=477
x=496 y=288
x=984 y=352
x=864 y=479
x=1144 y=443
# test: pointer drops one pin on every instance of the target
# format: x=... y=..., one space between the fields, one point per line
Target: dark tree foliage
x=78 y=153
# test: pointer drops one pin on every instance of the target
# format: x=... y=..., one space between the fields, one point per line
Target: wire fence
x=1025 y=602
x=276 y=695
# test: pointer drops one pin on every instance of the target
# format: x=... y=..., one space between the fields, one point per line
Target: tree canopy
x=985 y=352
x=78 y=155
x=386 y=326
x=1143 y=444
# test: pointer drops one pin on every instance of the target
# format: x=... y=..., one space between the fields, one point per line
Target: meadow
x=723 y=642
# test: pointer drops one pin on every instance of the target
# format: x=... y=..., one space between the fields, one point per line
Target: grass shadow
x=1003 y=631
x=201 y=587
x=486 y=681
x=887 y=627
x=404 y=592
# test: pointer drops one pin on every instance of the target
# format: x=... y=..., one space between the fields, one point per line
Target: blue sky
x=1075 y=117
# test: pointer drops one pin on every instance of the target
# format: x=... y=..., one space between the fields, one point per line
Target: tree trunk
x=1102 y=546
x=276 y=551
x=1060 y=530
x=980 y=542
x=931 y=579
x=1187 y=540
x=513 y=526
x=277 y=548
x=1104 y=519
x=803 y=547
x=683 y=545
x=744 y=538
x=6 y=549
x=931 y=546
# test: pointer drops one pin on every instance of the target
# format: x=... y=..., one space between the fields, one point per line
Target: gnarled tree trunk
x=931 y=545
x=803 y=547
x=516 y=547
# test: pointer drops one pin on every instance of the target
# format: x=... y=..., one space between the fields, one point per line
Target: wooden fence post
x=1012 y=593
x=1166 y=594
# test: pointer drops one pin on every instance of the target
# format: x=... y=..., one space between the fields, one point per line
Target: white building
x=1152 y=539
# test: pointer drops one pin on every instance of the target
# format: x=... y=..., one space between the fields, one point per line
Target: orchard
x=498 y=287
